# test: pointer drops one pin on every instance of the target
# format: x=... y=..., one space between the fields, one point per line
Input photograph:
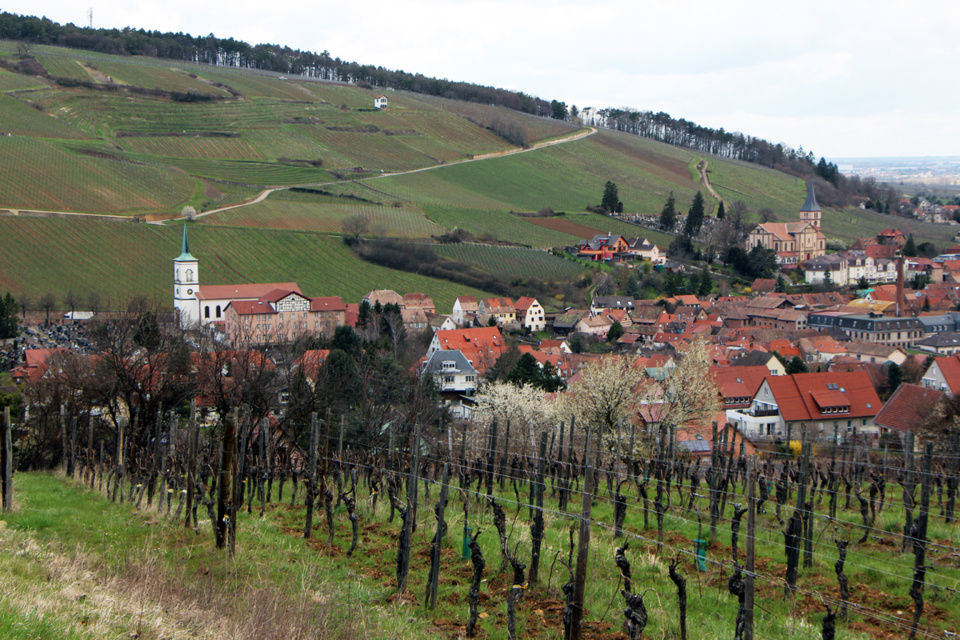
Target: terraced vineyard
x=195 y=147
x=41 y=175
x=14 y=82
x=511 y=262
x=151 y=77
x=61 y=67
x=249 y=172
x=21 y=119
x=120 y=260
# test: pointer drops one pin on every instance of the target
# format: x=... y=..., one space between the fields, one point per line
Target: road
x=583 y=133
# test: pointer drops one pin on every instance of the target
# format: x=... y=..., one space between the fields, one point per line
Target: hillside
x=122 y=260
x=92 y=133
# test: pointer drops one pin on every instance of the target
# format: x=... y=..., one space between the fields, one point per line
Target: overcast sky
x=841 y=78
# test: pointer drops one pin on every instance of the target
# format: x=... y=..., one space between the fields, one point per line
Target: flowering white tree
x=605 y=392
x=526 y=407
x=691 y=394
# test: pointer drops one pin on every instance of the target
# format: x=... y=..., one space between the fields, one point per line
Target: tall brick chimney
x=901 y=303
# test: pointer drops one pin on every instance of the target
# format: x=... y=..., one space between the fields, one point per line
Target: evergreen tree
x=862 y=283
x=668 y=215
x=550 y=380
x=926 y=304
x=894 y=376
x=910 y=249
x=828 y=278
x=611 y=198
x=693 y=283
x=781 y=286
x=706 y=283
x=797 y=365
x=721 y=211
x=615 y=332
x=526 y=372
x=694 y=217
x=673 y=283
x=8 y=317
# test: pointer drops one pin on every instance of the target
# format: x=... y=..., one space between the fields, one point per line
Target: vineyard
x=59 y=67
x=480 y=530
x=120 y=260
x=21 y=119
x=511 y=262
x=41 y=175
x=326 y=214
x=192 y=147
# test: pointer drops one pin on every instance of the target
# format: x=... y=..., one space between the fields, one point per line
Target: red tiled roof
x=799 y=396
x=327 y=303
x=251 y=307
x=242 y=291
x=907 y=407
x=950 y=368
x=739 y=382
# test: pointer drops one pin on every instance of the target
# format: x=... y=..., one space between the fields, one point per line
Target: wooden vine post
x=7 y=462
x=225 y=514
x=536 y=527
x=404 y=565
x=748 y=583
x=583 y=543
x=312 y=479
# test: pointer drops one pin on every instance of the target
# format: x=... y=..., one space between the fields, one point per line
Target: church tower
x=810 y=211
x=186 y=281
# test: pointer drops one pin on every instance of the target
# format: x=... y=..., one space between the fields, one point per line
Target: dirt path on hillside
x=705 y=180
x=583 y=133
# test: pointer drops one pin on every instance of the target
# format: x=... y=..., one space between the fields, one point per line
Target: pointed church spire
x=185 y=247
x=809 y=205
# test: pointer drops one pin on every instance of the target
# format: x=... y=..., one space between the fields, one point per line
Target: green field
x=122 y=259
x=511 y=262
x=42 y=175
x=326 y=214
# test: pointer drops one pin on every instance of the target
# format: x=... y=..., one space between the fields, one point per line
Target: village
x=861 y=361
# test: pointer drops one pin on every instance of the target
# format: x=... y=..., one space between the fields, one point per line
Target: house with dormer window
x=841 y=402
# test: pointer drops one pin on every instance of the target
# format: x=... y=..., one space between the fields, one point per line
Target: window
x=218 y=311
x=448 y=379
x=448 y=365
x=206 y=312
x=189 y=275
x=471 y=378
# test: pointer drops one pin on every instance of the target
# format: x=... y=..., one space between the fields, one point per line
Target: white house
x=380 y=102
x=530 y=314
x=464 y=310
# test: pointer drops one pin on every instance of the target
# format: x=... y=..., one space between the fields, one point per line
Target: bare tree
x=356 y=226
x=93 y=301
x=47 y=303
x=70 y=301
x=738 y=210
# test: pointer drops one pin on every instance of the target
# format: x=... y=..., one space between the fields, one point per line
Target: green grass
x=497 y=225
x=63 y=519
x=79 y=566
x=123 y=259
x=511 y=262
